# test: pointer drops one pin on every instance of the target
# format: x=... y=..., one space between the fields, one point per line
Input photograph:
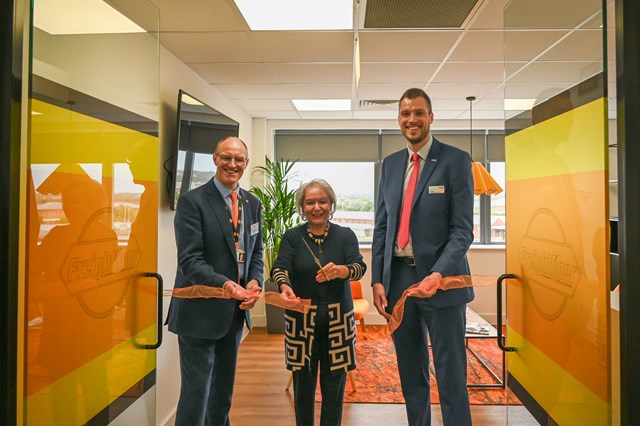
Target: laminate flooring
x=260 y=397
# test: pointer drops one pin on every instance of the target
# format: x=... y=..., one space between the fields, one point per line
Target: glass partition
x=557 y=241
x=92 y=213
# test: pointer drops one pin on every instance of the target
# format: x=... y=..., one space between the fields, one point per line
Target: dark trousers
x=446 y=330
x=208 y=369
x=331 y=383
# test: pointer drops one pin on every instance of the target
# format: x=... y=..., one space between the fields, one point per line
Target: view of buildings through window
x=353 y=182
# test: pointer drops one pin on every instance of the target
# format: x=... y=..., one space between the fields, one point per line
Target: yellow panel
x=78 y=396
x=569 y=143
x=557 y=246
x=93 y=220
x=565 y=399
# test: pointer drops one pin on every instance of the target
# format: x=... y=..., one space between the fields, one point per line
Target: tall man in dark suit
x=214 y=251
x=430 y=244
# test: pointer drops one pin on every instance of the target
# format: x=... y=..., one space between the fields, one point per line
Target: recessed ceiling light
x=322 y=104
x=292 y=15
x=518 y=104
x=81 y=17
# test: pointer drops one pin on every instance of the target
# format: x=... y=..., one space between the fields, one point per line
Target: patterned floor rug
x=377 y=378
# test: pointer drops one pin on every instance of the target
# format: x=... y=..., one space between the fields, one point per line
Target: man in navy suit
x=437 y=237
x=213 y=251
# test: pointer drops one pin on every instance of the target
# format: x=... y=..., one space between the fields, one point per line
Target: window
x=353 y=183
x=350 y=160
x=498 y=218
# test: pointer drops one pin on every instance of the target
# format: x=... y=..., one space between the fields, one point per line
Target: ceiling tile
x=479 y=46
x=313 y=73
x=252 y=91
x=211 y=47
x=199 y=15
x=490 y=16
x=234 y=73
x=526 y=45
x=581 y=45
x=476 y=72
x=263 y=104
x=394 y=71
x=563 y=73
x=406 y=46
x=305 y=46
x=317 y=91
x=461 y=90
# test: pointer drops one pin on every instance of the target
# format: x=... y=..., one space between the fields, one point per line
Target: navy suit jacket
x=206 y=255
x=441 y=224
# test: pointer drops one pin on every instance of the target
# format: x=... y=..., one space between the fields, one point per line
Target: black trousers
x=332 y=383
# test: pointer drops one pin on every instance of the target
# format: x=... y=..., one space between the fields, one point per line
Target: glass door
x=557 y=303
x=92 y=290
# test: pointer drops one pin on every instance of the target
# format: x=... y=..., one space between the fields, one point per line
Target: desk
x=490 y=333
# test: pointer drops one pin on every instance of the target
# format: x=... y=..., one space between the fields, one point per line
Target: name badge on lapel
x=439 y=189
x=254 y=229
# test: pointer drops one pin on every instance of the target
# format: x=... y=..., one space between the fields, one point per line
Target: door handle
x=159 y=288
x=499 y=335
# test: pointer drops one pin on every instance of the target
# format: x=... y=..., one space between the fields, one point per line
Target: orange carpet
x=377 y=378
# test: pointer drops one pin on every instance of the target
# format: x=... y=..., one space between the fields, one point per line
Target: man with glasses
x=219 y=239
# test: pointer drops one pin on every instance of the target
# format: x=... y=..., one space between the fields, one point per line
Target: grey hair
x=322 y=184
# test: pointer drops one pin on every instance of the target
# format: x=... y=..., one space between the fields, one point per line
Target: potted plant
x=278 y=198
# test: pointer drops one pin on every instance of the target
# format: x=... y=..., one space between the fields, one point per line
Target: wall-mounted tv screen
x=200 y=127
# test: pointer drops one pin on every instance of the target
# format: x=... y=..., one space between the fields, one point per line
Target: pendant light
x=483 y=182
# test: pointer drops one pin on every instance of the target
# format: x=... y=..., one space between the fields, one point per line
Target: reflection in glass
x=200 y=127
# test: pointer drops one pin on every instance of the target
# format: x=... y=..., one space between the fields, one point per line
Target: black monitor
x=199 y=128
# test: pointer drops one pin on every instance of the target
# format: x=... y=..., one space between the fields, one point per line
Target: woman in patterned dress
x=316 y=261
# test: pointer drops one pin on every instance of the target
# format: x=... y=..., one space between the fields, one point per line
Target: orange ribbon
x=208 y=292
x=446 y=283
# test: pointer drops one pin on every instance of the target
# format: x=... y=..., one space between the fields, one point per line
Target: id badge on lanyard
x=240 y=255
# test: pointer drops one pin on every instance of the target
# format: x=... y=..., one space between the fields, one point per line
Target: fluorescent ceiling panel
x=81 y=17
x=297 y=15
x=322 y=104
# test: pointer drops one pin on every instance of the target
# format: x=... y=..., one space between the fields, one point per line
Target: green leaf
x=278 y=204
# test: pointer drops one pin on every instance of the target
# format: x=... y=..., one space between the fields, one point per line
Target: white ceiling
x=262 y=71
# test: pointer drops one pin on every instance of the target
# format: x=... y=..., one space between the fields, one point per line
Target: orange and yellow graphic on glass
x=92 y=230
x=558 y=247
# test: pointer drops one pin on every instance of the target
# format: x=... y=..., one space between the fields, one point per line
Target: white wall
x=175 y=75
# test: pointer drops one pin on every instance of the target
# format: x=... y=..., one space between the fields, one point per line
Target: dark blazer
x=441 y=218
x=206 y=255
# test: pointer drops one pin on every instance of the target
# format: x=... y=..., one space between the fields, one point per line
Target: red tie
x=403 y=231
x=234 y=208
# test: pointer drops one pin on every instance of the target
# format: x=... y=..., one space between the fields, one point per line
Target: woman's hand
x=331 y=271
x=288 y=296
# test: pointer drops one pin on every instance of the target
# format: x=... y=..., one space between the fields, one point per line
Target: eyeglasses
x=240 y=161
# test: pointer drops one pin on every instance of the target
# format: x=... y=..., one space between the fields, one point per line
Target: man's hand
x=427 y=287
x=380 y=300
x=248 y=296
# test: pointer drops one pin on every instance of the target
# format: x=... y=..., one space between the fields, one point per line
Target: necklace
x=318 y=239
